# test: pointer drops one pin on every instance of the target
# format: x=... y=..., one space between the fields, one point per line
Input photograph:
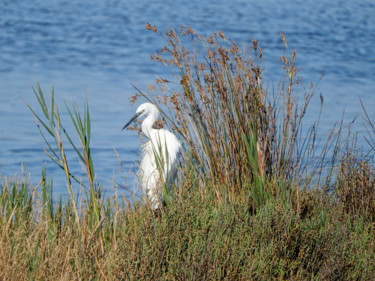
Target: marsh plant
x=54 y=135
x=237 y=135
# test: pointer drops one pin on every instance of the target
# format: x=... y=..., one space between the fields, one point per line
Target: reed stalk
x=51 y=129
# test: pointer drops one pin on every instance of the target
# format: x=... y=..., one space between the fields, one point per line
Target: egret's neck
x=147 y=125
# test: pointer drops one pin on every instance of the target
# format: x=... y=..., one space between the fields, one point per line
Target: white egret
x=159 y=155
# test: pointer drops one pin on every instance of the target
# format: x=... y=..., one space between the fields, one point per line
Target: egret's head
x=144 y=109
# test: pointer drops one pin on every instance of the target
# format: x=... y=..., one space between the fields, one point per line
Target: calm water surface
x=98 y=48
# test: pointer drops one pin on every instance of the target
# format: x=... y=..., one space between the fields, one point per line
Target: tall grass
x=52 y=132
x=244 y=208
x=237 y=134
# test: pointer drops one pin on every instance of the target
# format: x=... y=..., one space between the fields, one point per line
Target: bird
x=160 y=154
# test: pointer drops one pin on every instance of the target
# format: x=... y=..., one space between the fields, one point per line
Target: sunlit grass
x=196 y=237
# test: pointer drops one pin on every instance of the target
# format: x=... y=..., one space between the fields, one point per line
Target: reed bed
x=255 y=198
x=196 y=238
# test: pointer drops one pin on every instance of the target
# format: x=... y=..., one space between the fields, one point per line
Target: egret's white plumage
x=159 y=155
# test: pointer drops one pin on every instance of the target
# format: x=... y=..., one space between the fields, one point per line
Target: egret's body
x=159 y=155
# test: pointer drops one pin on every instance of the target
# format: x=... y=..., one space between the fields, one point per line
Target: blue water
x=98 y=48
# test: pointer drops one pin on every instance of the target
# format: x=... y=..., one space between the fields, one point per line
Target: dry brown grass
x=236 y=134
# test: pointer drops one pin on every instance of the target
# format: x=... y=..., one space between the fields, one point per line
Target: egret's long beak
x=132 y=119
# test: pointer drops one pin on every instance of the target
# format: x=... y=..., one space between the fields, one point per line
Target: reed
x=236 y=133
x=354 y=184
x=52 y=132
